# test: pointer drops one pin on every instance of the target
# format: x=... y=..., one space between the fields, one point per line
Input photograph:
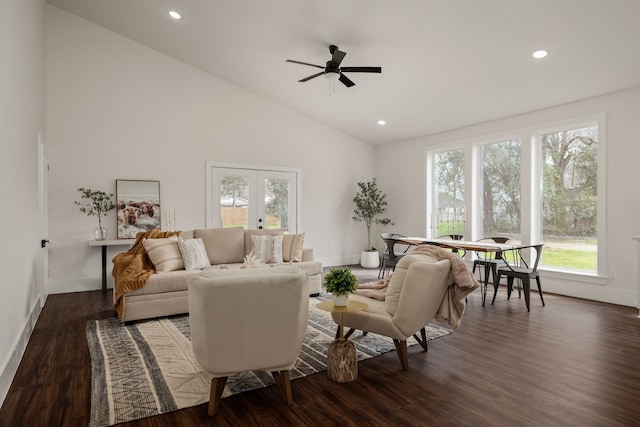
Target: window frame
x=531 y=188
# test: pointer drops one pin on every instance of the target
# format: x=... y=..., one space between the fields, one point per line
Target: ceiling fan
x=333 y=70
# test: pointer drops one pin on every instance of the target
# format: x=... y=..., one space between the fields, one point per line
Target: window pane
x=276 y=203
x=448 y=204
x=570 y=198
x=500 y=189
x=234 y=201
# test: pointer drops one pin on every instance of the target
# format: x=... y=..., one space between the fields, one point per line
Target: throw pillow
x=193 y=254
x=292 y=247
x=268 y=248
x=164 y=254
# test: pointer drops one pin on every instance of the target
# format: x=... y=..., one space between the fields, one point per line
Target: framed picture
x=138 y=207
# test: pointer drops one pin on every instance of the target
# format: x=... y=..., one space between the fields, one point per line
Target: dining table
x=464 y=245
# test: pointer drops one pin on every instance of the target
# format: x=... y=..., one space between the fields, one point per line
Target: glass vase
x=101 y=234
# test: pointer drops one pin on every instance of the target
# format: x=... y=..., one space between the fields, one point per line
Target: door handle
x=43 y=243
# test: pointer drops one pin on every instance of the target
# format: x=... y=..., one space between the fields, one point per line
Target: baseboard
x=12 y=361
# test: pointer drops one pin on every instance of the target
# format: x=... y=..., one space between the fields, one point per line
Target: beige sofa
x=166 y=293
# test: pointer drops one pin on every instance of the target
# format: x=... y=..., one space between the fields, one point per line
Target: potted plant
x=100 y=204
x=370 y=203
x=340 y=281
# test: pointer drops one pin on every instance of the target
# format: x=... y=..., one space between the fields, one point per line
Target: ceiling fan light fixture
x=331 y=75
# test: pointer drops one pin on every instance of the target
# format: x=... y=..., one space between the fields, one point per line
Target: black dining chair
x=489 y=262
x=390 y=257
x=521 y=271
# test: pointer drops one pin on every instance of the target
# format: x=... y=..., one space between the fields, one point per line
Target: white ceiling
x=445 y=63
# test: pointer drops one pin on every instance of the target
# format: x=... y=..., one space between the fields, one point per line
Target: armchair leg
x=215 y=395
x=401 y=348
x=284 y=384
x=423 y=340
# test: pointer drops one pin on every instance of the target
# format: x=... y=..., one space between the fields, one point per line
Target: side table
x=342 y=361
x=104 y=244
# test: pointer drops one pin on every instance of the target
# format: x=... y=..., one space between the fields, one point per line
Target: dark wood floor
x=571 y=363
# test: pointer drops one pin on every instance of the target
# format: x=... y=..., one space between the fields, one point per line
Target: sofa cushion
x=164 y=254
x=292 y=247
x=267 y=248
x=397 y=279
x=186 y=235
x=223 y=245
x=194 y=255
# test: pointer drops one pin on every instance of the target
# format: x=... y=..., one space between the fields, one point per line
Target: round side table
x=342 y=361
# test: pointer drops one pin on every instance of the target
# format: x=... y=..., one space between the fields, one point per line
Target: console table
x=104 y=244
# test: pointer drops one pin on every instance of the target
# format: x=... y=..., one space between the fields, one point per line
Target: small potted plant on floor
x=99 y=206
x=340 y=282
x=370 y=203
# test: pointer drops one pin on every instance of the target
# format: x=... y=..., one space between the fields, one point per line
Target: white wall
x=22 y=118
x=622 y=192
x=119 y=110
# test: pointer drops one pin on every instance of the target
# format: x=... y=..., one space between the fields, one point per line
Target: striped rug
x=148 y=368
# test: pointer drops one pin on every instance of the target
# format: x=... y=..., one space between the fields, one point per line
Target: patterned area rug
x=148 y=368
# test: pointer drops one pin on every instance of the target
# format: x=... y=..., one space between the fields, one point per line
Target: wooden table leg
x=104 y=269
x=342 y=361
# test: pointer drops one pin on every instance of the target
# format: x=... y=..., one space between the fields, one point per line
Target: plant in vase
x=340 y=282
x=100 y=204
x=370 y=203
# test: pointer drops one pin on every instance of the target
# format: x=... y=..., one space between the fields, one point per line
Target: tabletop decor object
x=370 y=204
x=340 y=282
x=100 y=204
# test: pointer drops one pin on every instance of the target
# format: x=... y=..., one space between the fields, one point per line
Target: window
x=500 y=189
x=570 y=192
x=539 y=185
x=448 y=198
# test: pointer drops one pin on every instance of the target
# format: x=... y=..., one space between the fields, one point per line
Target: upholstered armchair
x=252 y=319
x=416 y=291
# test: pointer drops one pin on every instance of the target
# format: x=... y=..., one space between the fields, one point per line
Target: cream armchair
x=415 y=292
x=248 y=320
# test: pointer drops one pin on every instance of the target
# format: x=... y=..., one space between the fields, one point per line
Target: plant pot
x=340 y=300
x=370 y=259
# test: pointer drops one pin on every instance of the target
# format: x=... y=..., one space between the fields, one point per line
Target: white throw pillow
x=164 y=254
x=267 y=248
x=193 y=253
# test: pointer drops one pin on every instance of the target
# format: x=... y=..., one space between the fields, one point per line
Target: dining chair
x=390 y=257
x=521 y=271
x=489 y=262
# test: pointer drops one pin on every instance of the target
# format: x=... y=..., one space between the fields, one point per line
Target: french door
x=252 y=197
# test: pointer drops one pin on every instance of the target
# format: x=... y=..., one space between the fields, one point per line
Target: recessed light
x=174 y=14
x=539 y=54
x=382 y=122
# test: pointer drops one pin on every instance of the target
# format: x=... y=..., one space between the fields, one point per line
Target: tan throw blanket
x=452 y=306
x=132 y=269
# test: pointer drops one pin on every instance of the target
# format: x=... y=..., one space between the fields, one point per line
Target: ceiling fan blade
x=361 y=69
x=345 y=80
x=304 y=63
x=338 y=56
x=311 y=77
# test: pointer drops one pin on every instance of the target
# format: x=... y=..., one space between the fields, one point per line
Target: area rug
x=148 y=368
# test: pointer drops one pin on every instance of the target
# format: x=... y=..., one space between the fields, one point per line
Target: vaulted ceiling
x=445 y=63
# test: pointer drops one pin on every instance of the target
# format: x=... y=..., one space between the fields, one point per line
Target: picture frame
x=137 y=207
